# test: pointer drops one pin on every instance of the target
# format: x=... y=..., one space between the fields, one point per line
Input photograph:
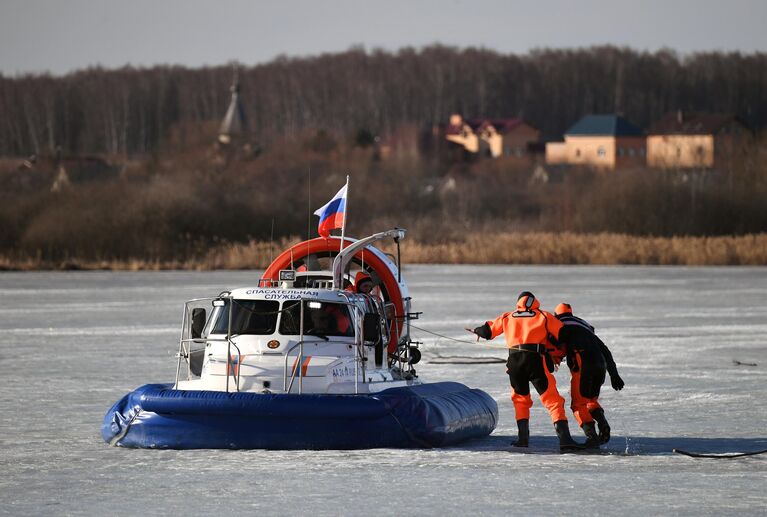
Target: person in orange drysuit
x=330 y=320
x=343 y=325
x=588 y=359
x=363 y=283
x=531 y=336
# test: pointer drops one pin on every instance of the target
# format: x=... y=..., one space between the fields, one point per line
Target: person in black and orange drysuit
x=588 y=358
x=531 y=336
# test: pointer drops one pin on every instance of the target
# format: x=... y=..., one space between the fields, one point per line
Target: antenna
x=271 y=244
x=346 y=211
x=309 y=219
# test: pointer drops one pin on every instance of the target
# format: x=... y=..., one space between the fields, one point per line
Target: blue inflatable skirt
x=427 y=415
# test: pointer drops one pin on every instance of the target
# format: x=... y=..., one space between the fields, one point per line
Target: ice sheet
x=86 y=338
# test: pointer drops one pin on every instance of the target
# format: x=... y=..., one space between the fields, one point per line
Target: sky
x=61 y=36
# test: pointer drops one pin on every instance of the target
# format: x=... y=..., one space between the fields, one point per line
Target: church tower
x=234 y=125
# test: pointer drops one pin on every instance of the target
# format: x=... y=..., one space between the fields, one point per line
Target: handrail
x=300 y=360
x=181 y=344
x=285 y=386
x=229 y=345
x=182 y=351
x=288 y=387
x=359 y=339
x=202 y=339
x=185 y=350
x=230 y=368
x=228 y=339
x=358 y=342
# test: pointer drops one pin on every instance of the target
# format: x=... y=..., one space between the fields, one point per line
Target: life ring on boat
x=376 y=262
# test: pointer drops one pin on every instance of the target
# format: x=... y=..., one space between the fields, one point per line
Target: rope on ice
x=718 y=456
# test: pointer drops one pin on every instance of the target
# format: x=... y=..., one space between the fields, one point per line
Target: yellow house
x=694 y=140
x=599 y=141
x=493 y=138
x=461 y=133
x=509 y=137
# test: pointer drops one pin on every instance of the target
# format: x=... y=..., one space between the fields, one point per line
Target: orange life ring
x=331 y=245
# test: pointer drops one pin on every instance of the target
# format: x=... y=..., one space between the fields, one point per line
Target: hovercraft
x=303 y=361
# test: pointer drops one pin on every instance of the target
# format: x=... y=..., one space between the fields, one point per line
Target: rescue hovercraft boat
x=303 y=361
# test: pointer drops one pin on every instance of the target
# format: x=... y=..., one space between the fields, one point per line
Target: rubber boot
x=523 y=436
x=566 y=442
x=592 y=438
x=604 y=427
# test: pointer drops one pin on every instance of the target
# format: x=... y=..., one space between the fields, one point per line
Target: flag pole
x=346 y=211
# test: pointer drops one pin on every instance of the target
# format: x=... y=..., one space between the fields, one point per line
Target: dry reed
x=484 y=248
x=602 y=248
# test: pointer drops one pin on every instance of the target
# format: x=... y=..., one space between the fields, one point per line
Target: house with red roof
x=494 y=137
x=461 y=134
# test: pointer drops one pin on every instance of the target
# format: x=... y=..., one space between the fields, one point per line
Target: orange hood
x=528 y=302
x=360 y=276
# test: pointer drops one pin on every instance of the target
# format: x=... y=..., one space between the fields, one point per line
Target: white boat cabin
x=287 y=339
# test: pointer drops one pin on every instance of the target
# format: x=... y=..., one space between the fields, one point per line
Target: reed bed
x=482 y=248
x=602 y=248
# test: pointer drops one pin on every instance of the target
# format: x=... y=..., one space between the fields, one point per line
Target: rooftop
x=501 y=125
x=603 y=125
x=692 y=123
x=234 y=122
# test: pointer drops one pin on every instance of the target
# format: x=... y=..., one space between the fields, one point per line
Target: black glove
x=549 y=363
x=572 y=364
x=616 y=381
x=483 y=331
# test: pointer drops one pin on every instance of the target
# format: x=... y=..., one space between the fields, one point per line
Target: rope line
x=474 y=343
x=490 y=360
x=443 y=336
x=718 y=456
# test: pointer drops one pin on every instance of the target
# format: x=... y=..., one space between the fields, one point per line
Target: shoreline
x=535 y=248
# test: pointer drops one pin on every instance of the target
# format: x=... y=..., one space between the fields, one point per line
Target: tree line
x=132 y=111
x=182 y=206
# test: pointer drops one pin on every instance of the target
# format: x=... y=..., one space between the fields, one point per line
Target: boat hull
x=427 y=415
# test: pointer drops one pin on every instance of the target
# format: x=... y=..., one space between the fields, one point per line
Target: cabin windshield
x=320 y=319
x=255 y=317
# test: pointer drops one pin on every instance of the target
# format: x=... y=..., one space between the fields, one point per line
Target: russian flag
x=332 y=214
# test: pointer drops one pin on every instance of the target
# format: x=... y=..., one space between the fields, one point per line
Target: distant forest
x=132 y=111
x=139 y=179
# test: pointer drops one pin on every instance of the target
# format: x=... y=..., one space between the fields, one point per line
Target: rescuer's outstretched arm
x=482 y=331
x=615 y=380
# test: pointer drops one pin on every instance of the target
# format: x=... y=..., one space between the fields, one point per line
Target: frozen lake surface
x=72 y=343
